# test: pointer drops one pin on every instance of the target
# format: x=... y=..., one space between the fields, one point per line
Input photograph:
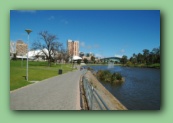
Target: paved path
x=57 y=93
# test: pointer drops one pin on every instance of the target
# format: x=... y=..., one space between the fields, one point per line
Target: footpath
x=57 y=93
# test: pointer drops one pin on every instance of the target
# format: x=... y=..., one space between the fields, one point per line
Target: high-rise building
x=73 y=47
x=21 y=48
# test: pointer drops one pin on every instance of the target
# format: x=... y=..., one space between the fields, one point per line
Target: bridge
x=111 y=59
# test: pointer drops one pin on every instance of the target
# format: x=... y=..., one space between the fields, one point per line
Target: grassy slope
x=37 y=71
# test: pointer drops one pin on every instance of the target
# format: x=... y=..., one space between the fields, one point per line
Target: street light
x=28 y=31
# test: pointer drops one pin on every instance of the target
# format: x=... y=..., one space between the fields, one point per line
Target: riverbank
x=157 y=65
x=110 y=100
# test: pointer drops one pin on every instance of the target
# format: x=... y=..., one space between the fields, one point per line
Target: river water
x=141 y=89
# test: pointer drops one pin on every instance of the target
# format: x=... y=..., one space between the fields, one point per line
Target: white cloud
x=51 y=18
x=64 y=21
x=96 y=46
x=122 y=50
x=82 y=44
x=120 y=53
x=117 y=55
x=99 y=55
x=89 y=47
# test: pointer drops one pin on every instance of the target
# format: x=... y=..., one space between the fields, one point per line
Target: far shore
x=157 y=66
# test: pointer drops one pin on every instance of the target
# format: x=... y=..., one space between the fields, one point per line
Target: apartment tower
x=21 y=48
x=73 y=47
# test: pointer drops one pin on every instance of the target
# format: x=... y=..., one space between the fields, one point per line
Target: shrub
x=89 y=68
x=113 y=77
x=107 y=76
x=118 y=76
x=100 y=75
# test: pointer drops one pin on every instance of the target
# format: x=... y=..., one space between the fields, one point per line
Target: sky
x=106 y=33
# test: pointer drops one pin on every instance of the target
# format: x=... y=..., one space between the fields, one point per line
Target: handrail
x=92 y=95
x=101 y=100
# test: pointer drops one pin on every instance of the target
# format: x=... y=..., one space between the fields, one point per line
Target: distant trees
x=140 y=58
x=146 y=53
x=85 y=60
x=87 y=55
x=81 y=54
x=123 y=60
x=78 y=61
x=92 y=58
x=62 y=54
x=133 y=59
x=154 y=56
x=147 y=57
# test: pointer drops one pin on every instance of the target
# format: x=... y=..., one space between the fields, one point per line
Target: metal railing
x=95 y=101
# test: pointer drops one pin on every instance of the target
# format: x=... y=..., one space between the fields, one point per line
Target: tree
x=133 y=59
x=156 y=52
x=14 y=56
x=78 y=61
x=146 y=53
x=81 y=54
x=85 y=60
x=66 y=56
x=48 y=44
x=62 y=54
x=151 y=58
x=147 y=57
x=124 y=59
x=87 y=55
x=92 y=58
x=140 y=58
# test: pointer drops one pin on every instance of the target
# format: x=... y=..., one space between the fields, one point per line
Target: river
x=141 y=89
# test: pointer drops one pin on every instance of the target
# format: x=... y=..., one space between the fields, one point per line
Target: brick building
x=73 y=47
x=21 y=48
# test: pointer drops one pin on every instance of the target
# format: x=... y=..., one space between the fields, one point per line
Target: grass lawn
x=37 y=71
x=156 y=65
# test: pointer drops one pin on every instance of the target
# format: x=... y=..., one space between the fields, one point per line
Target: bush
x=89 y=68
x=129 y=64
x=78 y=61
x=107 y=76
x=118 y=76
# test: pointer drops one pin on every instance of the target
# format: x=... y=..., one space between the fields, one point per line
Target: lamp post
x=28 y=31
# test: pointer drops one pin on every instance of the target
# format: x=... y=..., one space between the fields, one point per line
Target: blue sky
x=104 y=33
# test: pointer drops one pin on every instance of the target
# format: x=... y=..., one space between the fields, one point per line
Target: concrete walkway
x=57 y=93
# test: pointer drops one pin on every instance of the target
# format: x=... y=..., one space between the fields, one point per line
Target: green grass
x=37 y=71
x=156 y=65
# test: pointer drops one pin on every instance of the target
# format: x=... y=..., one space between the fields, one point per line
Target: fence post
x=92 y=89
